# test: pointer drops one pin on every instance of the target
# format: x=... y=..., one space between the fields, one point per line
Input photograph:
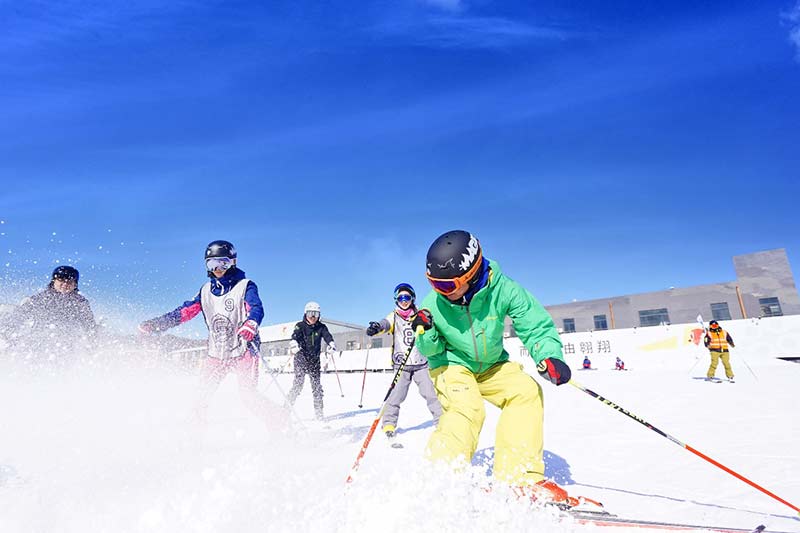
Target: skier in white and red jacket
x=233 y=312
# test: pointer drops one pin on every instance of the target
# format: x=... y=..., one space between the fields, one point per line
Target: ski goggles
x=446 y=287
x=219 y=263
x=404 y=297
x=312 y=314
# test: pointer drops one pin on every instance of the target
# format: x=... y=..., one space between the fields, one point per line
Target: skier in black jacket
x=305 y=346
x=51 y=322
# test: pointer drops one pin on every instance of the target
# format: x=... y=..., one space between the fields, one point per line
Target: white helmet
x=312 y=306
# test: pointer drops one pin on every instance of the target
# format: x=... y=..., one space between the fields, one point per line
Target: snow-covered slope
x=115 y=450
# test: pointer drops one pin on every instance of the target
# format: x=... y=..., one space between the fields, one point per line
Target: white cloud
x=469 y=32
x=40 y=22
x=485 y=32
x=793 y=18
x=448 y=5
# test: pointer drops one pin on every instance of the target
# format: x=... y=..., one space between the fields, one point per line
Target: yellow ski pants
x=518 y=441
x=725 y=357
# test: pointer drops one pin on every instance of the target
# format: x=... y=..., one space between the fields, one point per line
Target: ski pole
x=278 y=371
x=375 y=422
x=697 y=360
x=364 y=379
x=286 y=401
x=750 y=369
x=336 y=372
x=681 y=444
x=705 y=332
x=257 y=352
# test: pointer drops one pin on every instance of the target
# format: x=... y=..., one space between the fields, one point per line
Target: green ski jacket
x=472 y=336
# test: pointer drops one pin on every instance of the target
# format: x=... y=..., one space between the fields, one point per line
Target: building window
x=770 y=307
x=720 y=311
x=352 y=345
x=653 y=317
x=377 y=343
x=569 y=325
x=600 y=322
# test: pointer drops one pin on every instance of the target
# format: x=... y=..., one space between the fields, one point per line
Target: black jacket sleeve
x=7 y=324
x=297 y=334
x=301 y=337
x=24 y=312
x=85 y=316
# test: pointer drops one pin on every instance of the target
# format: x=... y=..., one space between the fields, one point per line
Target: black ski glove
x=554 y=370
x=373 y=329
x=423 y=318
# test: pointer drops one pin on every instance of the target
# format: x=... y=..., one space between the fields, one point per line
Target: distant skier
x=587 y=364
x=717 y=341
x=398 y=325
x=463 y=321
x=51 y=323
x=233 y=311
x=620 y=364
x=306 y=345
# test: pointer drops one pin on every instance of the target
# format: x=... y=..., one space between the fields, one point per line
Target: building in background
x=764 y=287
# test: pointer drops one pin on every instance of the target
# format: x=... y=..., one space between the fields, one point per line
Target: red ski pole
x=364 y=379
x=375 y=422
x=681 y=444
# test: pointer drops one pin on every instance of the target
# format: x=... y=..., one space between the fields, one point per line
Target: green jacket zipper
x=474 y=341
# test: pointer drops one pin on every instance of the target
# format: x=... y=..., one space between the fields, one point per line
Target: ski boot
x=391 y=435
x=548 y=492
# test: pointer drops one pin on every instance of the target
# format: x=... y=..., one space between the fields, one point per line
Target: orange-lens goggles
x=446 y=287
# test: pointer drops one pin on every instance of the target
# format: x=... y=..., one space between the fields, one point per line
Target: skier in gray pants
x=398 y=324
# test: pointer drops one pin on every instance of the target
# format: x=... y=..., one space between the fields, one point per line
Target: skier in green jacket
x=463 y=321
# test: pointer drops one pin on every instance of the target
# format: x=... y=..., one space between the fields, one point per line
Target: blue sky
x=595 y=149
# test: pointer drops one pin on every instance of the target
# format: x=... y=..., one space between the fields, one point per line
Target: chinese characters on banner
x=584 y=348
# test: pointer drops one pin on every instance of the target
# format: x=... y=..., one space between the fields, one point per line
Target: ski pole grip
x=420 y=330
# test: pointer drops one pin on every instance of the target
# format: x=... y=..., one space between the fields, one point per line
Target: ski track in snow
x=117 y=450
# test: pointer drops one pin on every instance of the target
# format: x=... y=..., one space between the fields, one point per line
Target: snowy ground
x=115 y=450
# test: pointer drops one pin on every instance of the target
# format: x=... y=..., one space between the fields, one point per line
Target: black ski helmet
x=405 y=287
x=66 y=273
x=453 y=254
x=220 y=249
